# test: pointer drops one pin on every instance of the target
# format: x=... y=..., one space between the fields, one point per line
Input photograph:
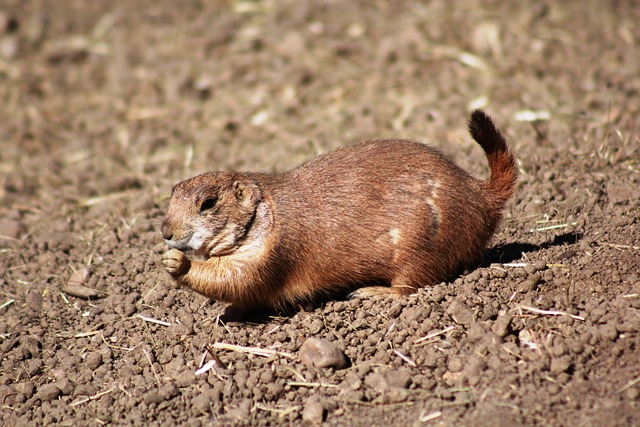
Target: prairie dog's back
x=369 y=207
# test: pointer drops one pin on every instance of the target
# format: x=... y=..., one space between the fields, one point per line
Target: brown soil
x=105 y=105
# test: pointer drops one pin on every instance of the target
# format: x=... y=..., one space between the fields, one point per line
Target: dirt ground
x=105 y=105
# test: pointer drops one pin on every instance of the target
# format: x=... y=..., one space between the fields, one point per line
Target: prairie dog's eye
x=208 y=204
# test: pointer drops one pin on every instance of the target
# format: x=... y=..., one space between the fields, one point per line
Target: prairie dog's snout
x=394 y=213
x=210 y=215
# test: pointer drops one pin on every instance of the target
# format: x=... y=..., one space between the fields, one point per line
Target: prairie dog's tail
x=502 y=162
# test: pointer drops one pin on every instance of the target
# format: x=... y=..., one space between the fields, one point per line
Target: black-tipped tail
x=501 y=160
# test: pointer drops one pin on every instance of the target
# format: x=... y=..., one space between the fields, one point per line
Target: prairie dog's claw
x=175 y=262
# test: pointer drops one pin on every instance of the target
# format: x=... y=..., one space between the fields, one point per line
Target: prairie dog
x=381 y=217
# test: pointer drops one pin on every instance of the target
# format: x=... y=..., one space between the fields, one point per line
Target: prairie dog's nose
x=167 y=233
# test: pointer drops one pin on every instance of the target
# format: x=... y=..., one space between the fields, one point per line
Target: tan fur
x=378 y=217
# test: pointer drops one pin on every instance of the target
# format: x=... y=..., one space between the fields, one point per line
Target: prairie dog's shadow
x=513 y=251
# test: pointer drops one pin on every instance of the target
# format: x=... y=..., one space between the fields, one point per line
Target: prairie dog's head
x=210 y=214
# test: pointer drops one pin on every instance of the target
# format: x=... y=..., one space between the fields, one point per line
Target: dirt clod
x=48 y=392
x=322 y=354
x=313 y=413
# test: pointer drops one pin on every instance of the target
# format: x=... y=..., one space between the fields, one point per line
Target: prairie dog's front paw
x=175 y=262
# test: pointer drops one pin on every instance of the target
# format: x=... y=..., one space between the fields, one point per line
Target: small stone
x=633 y=393
x=540 y=265
x=49 y=392
x=501 y=326
x=85 y=390
x=153 y=397
x=498 y=273
x=530 y=283
x=77 y=285
x=560 y=364
x=34 y=301
x=455 y=364
x=315 y=326
x=65 y=385
x=313 y=414
x=93 y=360
x=608 y=331
x=395 y=395
x=322 y=354
x=28 y=389
x=460 y=313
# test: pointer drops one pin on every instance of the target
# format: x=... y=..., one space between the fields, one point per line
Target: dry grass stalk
x=424 y=417
x=281 y=412
x=155 y=374
x=405 y=358
x=264 y=352
x=152 y=320
x=310 y=384
x=7 y=303
x=549 y=312
x=629 y=384
x=434 y=334
x=93 y=397
x=206 y=367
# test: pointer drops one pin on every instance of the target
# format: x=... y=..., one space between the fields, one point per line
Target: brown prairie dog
x=382 y=217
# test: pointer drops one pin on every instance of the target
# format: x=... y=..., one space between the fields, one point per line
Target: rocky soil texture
x=105 y=105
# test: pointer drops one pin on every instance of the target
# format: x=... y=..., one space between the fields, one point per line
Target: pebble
x=315 y=326
x=322 y=354
x=313 y=413
x=28 y=389
x=34 y=301
x=460 y=313
x=77 y=285
x=501 y=326
x=633 y=394
x=85 y=390
x=49 y=392
x=530 y=283
x=94 y=360
x=455 y=364
x=498 y=273
x=540 y=265
x=65 y=385
x=608 y=331
x=395 y=395
x=560 y=364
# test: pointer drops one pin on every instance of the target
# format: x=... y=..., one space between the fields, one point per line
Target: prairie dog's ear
x=240 y=190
